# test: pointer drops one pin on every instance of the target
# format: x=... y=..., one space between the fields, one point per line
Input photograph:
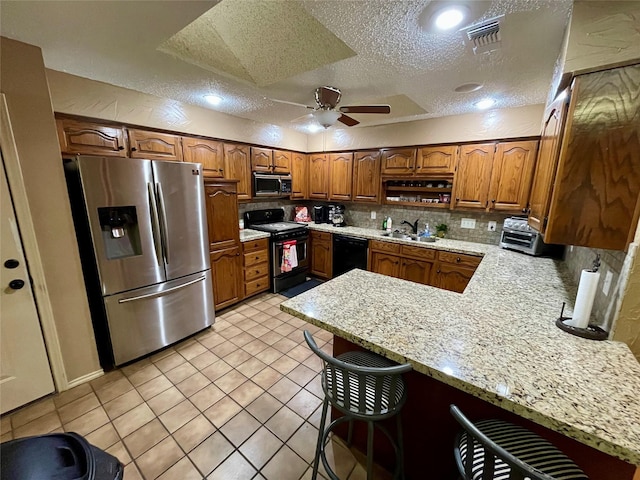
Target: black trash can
x=59 y=456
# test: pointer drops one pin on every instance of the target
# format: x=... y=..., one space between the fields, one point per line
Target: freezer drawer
x=147 y=319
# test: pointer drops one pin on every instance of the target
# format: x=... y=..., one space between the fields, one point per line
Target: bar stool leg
x=400 y=455
x=370 y=450
x=319 y=446
x=350 y=436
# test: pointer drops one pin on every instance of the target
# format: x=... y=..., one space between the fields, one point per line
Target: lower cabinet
x=227 y=283
x=451 y=277
x=255 y=261
x=385 y=264
x=415 y=270
x=321 y=254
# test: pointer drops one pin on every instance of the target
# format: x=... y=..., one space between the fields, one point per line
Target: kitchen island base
x=430 y=431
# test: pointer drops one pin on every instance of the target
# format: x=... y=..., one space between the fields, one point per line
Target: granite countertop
x=246 y=235
x=497 y=341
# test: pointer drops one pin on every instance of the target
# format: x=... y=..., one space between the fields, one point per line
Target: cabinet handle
x=257 y=257
x=437 y=271
x=458 y=260
x=238 y=254
x=120 y=147
x=493 y=201
x=524 y=210
x=457 y=199
x=220 y=170
x=134 y=149
x=257 y=271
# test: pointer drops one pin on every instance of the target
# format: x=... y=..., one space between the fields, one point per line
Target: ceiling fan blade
x=366 y=109
x=303 y=118
x=328 y=96
x=289 y=103
x=348 y=121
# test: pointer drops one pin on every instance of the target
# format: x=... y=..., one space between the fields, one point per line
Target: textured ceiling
x=376 y=51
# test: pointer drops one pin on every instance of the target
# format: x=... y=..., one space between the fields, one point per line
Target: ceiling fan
x=325 y=112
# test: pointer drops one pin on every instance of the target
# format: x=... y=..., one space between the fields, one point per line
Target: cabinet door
x=451 y=277
x=281 y=162
x=261 y=160
x=319 y=176
x=155 y=146
x=226 y=272
x=340 y=176
x=207 y=152
x=437 y=160
x=366 y=177
x=471 y=183
x=548 y=155
x=222 y=215
x=237 y=166
x=321 y=258
x=90 y=138
x=385 y=264
x=299 y=176
x=398 y=161
x=415 y=270
x=511 y=176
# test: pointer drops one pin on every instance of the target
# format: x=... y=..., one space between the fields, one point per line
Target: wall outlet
x=492 y=226
x=468 y=223
x=606 y=286
x=373 y=215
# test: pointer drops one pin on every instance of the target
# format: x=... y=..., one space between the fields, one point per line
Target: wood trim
x=27 y=230
x=85 y=378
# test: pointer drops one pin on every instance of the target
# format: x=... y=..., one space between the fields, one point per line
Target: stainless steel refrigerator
x=142 y=231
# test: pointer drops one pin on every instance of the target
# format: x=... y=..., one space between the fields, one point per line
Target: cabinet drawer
x=321 y=236
x=254 y=258
x=251 y=245
x=256 y=271
x=256 y=286
x=384 y=246
x=459 y=259
x=418 y=252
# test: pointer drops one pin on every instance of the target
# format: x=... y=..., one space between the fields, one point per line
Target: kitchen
x=74 y=95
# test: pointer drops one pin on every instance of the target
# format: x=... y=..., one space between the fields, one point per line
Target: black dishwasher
x=349 y=253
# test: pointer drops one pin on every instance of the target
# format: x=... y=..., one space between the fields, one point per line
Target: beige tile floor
x=241 y=400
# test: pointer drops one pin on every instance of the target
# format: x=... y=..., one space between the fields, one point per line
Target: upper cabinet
x=437 y=160
x=281 y=161
x=319 y=176
x=340 y=176
x=366 y=177
x=398 y=161
x=237 y=166
x=266 y=160
x=299 y=176
x=597 y=183
x=91 y=138
x=471 y=183
x=511 y=176
x=154 y=145
x=207 y=152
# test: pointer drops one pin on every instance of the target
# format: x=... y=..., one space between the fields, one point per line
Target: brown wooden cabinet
x=154 y=145
x=340 y=176
x=415 y=270
x=79 y=137
x=451 y=277
x=547 y=163
x=319 y=176
x=473 y=175
x=261 y=160
x=321 y=254
x=366 y=177
x=511 y=176
x=281 y=162
x=226 y=270
x=255 y=260
x=398 y=161
x=237 y=166
x=207 y=152
x=299 y=176
x=386 y=264
x=437 y=160
x=597 y=183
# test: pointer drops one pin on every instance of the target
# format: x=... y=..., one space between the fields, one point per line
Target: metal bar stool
x=498 y=450
x=363 y=386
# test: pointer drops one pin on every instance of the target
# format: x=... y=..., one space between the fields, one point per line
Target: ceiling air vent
x=485 y=37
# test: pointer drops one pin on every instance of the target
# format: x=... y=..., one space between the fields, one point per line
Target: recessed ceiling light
x=485 y=103
x=468 y=87
x=449 y=18
x=213 y=99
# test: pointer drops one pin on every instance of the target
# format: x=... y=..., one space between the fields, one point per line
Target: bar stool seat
x=499 y=450
x=363 y=386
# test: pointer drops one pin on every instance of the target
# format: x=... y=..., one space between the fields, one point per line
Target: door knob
x=16 y=284
x=11 y=263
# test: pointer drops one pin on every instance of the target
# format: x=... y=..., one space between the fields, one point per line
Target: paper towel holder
x=592 y=332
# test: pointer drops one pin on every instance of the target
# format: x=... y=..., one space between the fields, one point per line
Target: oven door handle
x=298 y=240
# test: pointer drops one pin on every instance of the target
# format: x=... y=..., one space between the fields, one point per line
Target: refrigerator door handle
x=162 y=292
x=155 y=224
x=163 y=221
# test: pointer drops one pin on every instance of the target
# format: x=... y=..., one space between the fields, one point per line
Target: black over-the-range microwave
x=271 y=185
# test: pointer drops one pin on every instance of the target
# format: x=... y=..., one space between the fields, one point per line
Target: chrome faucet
x=414 y=226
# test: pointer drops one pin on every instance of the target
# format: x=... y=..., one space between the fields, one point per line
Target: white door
x=25 y=374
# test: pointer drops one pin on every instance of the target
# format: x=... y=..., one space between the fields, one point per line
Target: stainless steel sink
x=401 y=235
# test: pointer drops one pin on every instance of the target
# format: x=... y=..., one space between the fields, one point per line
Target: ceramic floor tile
x=193 y=384
x=133 y=419
x=123 y=404
x=192 y=350
x=181 y=372
x=203 y=360
x=145 y=437
x=134 y=367
x=267 y=377
x=304 y=403
x=237 y=358
x=222 y=411
x=211 y=453
x=118 y=451
x=5 y=437
x=224 y=349
x=170 y=362
x=260 y=447
x=178 y=416
x=246 y=393
x=5 y=424
x=41 y=425
x=131 y=472
x=78 y=407
x=154 y=387
x=72 y=394
x=243 y=339
x=193 y=433
x=284 y=389
x=235 y=467
x=284 y=329
x=183 y=470
x=103 y=437
x=230 y=381
x=212 y=340
x=106 y=379
x=284 y=364
x=88 y=422
x=258 y=331
x=264 y=407
x=340 y=459
x=30 y=413
x=148 y=372
x=217 y=370
x=285 y=465
x=301 y=375
x=304 y=442
x=255 y=347
x=284 y=423
x=165 y=400
x=271 y=338
x=114 y=389
x=155 y=461
x=251 y=367
x=315 y=387
x=268 y=355
x=206 y=397
x=240 y=427
x=300 y=353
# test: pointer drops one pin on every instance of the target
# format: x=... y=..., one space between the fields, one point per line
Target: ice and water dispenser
x=120 y=233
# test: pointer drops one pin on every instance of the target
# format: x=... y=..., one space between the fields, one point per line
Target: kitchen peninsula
x=496 y=349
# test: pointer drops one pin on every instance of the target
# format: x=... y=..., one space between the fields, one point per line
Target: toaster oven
x=518 y=235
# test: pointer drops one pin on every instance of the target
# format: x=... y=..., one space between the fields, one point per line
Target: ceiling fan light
x=326 y=118
x=449 y=18
x=213 y=99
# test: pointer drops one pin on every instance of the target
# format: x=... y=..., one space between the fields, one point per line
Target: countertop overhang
x=497 y=341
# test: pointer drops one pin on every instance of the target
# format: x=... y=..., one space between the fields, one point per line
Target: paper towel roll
x=584 y=300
